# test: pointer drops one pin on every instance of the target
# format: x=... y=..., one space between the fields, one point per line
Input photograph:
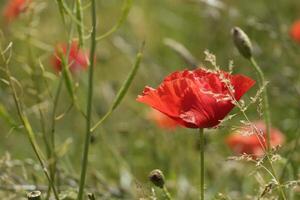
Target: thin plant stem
x=125 y=11
x=35 y=79
x=89 y=104
x=124 y=88
x=267 y=116
x=53 y=162
x=201 y=133
x=79 y=16
x=281 y=191
x=28 y=128
x=166 y=193
x=273 y=173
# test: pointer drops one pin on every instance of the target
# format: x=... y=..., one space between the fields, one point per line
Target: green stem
x=89 y=104
x=35 y=75
x=201 y=132
x=79 y=16
x=267 y=116
x=125 y=11
x=53 y=157
x=277 y=180
x=30 y=133
x=166 y=193
x=124 y=88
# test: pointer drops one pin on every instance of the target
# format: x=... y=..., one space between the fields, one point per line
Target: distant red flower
x=77 y=60
x=13 y=9
x=295 y=31
x=249 y=140
x=162 y=120
x=198 y=98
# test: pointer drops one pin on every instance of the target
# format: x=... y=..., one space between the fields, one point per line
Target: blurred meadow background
x=128 y=145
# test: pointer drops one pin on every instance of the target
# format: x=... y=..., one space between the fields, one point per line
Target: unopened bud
x=242 y=42
x=157 y=178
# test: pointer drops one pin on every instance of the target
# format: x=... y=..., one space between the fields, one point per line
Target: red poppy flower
x=198 y=98
x=251 y=140
x=13 y=8
x=295 y=31
x=162 y=120
x=77 y=60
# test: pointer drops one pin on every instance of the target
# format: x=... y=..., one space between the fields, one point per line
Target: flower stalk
x=89 y=103
x=243 y=44
x=267 y=116
x=201 y=134
x=166 y=193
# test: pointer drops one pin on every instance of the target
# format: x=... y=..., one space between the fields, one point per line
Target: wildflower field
x=150 y=99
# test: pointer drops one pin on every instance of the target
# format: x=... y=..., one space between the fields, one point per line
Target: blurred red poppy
x=251 y=139
x=13 y=9
x=197 y=99
x=295 y=31
x=162 y=120
x=77 y=60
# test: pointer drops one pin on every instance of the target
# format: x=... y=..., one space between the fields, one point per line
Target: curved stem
x=124 y=88
x=201 y=133
x=125 y=11
x=89 y=104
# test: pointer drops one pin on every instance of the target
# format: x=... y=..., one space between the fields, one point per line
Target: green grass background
x=128 y=146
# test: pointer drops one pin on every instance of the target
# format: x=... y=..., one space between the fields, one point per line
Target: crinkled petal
x=241 y=85
x=198 y=98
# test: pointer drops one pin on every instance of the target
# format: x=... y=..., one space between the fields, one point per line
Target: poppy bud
x=242 y=42
x=157 y=178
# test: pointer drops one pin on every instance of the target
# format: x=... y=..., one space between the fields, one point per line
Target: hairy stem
x=201 y=133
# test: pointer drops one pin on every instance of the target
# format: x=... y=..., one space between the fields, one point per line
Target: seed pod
x=157 y=178
x=242 y=42
x=34 y=195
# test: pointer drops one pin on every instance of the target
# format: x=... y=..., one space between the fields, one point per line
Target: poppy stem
x=267 y=116
x=201 y=132
x=166 y=193
x=89 y=104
